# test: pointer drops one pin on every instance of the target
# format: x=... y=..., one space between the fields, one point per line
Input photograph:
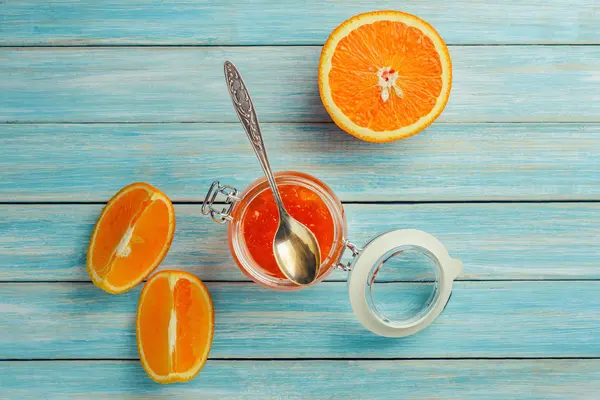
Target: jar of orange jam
x=252 y=219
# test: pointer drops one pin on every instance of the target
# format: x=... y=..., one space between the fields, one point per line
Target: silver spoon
x=295 y=247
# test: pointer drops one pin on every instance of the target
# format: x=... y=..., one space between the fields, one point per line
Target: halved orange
x=174 y=326
x=384 y=75
x=132 y=236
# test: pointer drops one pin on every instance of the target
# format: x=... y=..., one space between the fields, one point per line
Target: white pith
x=123 y=248
x=172 y=333
x=386 y=80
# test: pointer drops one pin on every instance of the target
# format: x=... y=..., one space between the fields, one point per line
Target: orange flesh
x=175 y=326
x=131 y=238
x=150 y=232
x=154 y=316
x=354 y=79
x=113 y=226
x=261 y=220
x=192 y=320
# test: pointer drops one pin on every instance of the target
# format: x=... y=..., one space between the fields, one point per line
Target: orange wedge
x=174 y=326
x=132 y=236
x=384 y=75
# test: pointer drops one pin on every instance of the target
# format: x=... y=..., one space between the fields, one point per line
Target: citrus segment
x=384 y=75
x=193 y=318
x=154 y=314
x=131 y=238
x=175 y=325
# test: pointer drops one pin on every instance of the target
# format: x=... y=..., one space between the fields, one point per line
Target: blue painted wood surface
x=261 y=22
x=490 y=84
x=446 y=162
x=482 y=320
x=521 y=130
x=222 y=379
x=495 y=241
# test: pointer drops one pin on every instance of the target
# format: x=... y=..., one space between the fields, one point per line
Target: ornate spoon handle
x=242 y=103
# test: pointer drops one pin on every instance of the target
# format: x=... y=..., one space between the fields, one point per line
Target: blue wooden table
x=97 y=94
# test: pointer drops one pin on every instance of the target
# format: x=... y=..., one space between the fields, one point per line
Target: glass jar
x=226 y=204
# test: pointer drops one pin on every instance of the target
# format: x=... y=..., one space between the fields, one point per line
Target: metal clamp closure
x=231 y=197
x=355 y=252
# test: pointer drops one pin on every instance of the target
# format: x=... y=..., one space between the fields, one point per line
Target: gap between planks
x=125 y=45
x=32 y=122
x=328 y=281
x=373 y=203
x=308 y=359
x=284 y=123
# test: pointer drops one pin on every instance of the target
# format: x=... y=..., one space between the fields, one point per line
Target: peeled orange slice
x=384 y=75
x=174 y=326
x=131 y=238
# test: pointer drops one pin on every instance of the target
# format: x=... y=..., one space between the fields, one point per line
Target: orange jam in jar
x=255 y=218
x=261 y=220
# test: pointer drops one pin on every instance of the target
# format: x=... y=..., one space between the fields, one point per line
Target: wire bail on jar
x=355 y=252
x=230 y=198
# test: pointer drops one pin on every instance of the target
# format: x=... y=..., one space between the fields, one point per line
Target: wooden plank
x=494 y=241
x=447 y=162
x=236 y=22
x=498 y=84
x=405 y=379
x=483 y=319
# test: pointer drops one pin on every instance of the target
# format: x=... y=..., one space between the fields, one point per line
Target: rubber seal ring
x=449 y=269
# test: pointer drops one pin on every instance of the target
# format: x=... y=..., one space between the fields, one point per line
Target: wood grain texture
x=494 y=241
x=482 y=319
x=398 y=379
x=237 y=22
x=498 y=84
x=65 y=162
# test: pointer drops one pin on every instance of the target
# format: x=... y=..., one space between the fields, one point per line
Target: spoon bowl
x=296 y=249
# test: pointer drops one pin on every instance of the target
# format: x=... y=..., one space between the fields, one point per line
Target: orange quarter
x=174 y=326
x=131 y=237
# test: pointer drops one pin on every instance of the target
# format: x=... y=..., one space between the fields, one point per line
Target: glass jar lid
x=425 y=297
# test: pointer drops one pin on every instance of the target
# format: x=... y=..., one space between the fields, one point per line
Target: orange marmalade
x=261 y=219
